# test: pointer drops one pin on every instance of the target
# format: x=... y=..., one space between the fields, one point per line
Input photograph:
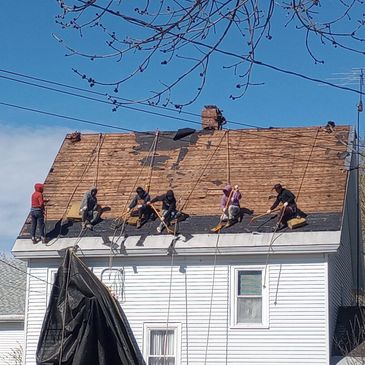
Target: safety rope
x=89 y=162
x=101 y=141
x=228 y=160
x=155 y=141
x=202 y=172
x=168 y=309
x=283 y=209
x=308 y=161
x=152 y=150
x=211 y=300
x=60 y=352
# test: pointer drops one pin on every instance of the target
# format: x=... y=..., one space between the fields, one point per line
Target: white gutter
x=199 y=244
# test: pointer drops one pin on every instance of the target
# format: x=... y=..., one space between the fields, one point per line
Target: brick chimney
x=212 y=117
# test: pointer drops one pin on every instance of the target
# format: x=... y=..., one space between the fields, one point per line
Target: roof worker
x=230 y=204
x=89 y=209
x=37 y=213
x=140 y=201
x=289 y=210
x=169 y=211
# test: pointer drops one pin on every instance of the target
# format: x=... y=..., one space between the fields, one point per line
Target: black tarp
x=84 y=324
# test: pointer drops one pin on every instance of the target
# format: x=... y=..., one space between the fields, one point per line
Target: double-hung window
x=162 y=344
x=249 y=298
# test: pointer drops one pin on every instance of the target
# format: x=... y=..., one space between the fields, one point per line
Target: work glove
x=285 y=204
x=128 y=210
x=268 y=211
x=236 y=187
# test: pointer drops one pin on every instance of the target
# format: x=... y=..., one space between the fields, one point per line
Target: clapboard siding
x=297 y=305
x=340 y=266
x=35 y=307
x=11 y=338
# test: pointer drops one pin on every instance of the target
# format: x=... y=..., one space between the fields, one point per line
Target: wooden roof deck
x=309 y=158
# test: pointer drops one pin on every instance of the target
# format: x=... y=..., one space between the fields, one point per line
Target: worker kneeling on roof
x=230 y=204
x=169 y=211
x=289 y=209
x=89 y=209
x=140 y=201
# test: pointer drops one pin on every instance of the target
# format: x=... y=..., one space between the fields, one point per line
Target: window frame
x=158 y=326
x=234 y=296
x=51 y=276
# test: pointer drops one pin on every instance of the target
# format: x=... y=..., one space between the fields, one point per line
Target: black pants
x=37 y=220
x=289 y=212
x=144 y=212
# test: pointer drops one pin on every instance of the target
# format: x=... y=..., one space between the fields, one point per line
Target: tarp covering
x=84 y=324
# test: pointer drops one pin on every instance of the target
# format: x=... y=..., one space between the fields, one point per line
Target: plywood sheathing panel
x=258 y=159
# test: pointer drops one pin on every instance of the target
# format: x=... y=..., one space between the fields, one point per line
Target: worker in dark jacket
x=140 y=201
x=89 y=208
x=289 y=210
x=37 y=213
x=169 y=211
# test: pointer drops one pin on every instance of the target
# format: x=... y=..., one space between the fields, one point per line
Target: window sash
x=249 y=297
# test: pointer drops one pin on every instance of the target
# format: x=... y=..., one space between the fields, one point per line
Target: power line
x=110 y=102
x=85 y=121
x=24 y=272
x=160 y=114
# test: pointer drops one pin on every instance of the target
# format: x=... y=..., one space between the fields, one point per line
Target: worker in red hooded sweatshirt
x=37 y=213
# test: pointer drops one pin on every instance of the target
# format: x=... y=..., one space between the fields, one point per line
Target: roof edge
x=198 y=244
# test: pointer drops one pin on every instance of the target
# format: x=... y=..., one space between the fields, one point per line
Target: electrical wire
x=85 y=121
x=114 y=103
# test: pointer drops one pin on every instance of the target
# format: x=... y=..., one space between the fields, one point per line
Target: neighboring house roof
x=309 y=161
x=12 y=288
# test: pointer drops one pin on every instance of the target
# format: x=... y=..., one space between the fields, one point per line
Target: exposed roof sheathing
x=309 y=159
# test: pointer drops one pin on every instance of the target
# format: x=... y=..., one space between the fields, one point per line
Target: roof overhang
x=197 y=244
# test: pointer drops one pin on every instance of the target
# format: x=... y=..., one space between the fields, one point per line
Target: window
x=162 y=344
x=249 y=298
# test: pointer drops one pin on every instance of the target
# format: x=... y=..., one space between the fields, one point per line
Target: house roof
x=12 y=288
x=309 y=161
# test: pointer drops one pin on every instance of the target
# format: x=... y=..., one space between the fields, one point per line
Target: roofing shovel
x=169 y=230
x=221 y=223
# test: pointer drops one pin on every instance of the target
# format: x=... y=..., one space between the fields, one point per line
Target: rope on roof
x=202 y=172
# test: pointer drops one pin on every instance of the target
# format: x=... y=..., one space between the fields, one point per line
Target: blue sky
x=29 y=141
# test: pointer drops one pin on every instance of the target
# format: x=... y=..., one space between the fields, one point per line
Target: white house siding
x=342 y=278
x=297 y=303
x=11 y=338
x=35 y=307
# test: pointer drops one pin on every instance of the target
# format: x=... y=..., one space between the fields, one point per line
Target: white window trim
x=147 y=327
x=51 y=275
x=265 y=297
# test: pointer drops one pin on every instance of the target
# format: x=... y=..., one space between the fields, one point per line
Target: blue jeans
x=37 y=220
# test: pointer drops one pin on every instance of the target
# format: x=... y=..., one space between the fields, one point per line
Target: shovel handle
x=161 y=219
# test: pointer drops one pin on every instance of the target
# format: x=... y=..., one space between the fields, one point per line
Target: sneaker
x=89 y=226
x=44 y=239
x=34 y=240
x=159 y=229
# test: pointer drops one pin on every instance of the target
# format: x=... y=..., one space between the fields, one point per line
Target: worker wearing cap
x=287 y=198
